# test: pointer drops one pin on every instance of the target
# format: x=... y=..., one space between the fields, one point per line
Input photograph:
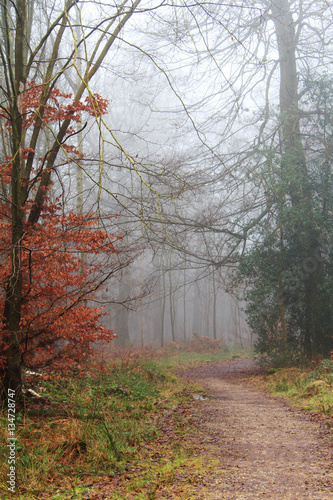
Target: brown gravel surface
x=264 y=448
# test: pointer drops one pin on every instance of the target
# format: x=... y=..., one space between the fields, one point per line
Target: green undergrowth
x=119 y=428
x=309 y=388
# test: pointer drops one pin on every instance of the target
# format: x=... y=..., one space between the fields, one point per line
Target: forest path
x=265 y=448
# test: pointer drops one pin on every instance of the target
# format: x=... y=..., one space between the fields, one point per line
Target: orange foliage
x=60 y=107
x=56 y=324
x=57 y=108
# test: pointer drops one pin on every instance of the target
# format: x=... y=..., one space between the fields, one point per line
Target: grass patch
x=179 y=357
x=119 y=429
x=311 y=389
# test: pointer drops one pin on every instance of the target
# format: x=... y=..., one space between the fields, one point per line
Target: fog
x=194 y=91
x=183 y=167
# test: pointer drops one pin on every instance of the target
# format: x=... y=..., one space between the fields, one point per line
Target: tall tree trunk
x=162 y=300
x=12 y=309
x=294 y=171
x=214 y=307
x=184 y=305
x=171 y=306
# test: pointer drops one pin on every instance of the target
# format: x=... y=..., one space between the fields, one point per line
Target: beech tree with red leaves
x=42 y=304
x=56 y=324
x=44 y=287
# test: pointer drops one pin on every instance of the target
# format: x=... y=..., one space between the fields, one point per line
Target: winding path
x=265 y=448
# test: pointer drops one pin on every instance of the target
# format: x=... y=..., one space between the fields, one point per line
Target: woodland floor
x=263 y=447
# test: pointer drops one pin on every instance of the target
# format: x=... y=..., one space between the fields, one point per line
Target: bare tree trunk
x=214 y=307
x=163 y=309
x=171 y=308
x=184 y=302
x=12 y=309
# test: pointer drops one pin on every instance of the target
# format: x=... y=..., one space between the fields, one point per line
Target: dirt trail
x=265 y=448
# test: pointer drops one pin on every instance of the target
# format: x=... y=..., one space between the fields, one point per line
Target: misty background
x=186 y=165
